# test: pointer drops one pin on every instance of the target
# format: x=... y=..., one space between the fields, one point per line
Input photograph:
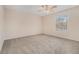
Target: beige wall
x=49 y=24
x=1 y=26
x=20 y=23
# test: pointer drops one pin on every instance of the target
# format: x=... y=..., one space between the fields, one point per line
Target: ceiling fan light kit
x=47 y=8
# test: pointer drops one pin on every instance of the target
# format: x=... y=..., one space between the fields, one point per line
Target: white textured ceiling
x=35 y=8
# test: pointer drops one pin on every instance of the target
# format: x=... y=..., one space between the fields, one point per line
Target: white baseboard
x=24 y=36
x=60 y=37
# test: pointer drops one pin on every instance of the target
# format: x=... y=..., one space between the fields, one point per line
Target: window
x=61 y=23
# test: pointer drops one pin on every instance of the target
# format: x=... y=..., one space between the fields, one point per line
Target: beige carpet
x=40 y=44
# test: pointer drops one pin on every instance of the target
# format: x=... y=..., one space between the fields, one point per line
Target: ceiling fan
x=47 y=8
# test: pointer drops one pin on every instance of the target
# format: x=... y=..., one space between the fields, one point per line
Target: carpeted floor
x=40 y=44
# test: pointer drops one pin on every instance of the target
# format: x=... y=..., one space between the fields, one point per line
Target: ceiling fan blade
x=54 y=6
